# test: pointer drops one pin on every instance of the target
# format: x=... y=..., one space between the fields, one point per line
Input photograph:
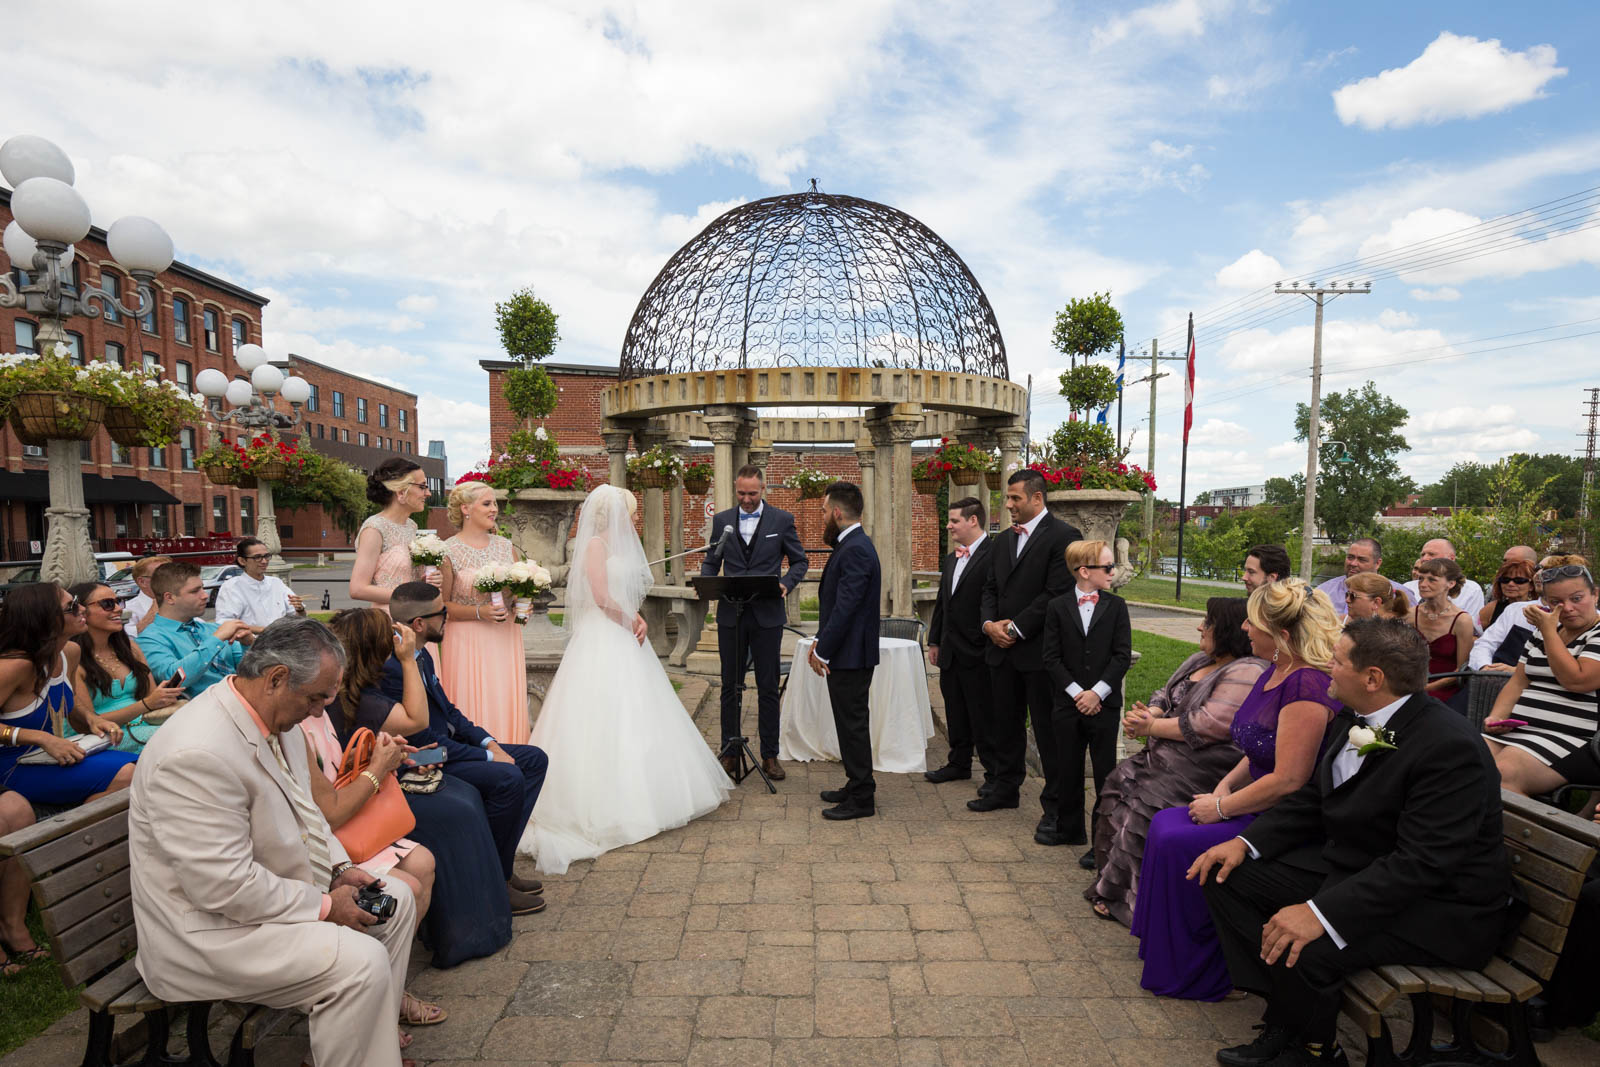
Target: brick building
x=576 y=424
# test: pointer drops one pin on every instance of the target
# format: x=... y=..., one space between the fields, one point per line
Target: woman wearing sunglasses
x=113 y=669
x=1513 y=585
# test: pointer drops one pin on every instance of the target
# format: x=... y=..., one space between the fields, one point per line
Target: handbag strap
x=357 y=754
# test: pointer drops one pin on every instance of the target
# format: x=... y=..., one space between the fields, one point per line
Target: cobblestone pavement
x=764 y=935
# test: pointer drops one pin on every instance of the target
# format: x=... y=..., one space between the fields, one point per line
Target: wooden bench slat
x=85 y=905
x=137 y=1000
x=79 y=969
x=1544 y=933
x=47 y=830
x=112 y=922
x=1379 y=993
x=78 y=876
x=1402 y=978
x=1563 y=822
x=1370 y=1019
x=1547 y=872
x=49 y=858
x=1533 y=959
x=1448 y=982
x=1550 y=843
x=1552 y=906
x=1490 y=991
x=1513 y=981
x=98 y=997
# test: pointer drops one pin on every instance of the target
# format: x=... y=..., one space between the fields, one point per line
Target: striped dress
x=1559 y=721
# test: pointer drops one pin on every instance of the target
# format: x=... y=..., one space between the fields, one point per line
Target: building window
x=314 y=399
x=403 y=419
x=33 y=451
x=180 y=320
x=191 y=520
x=247 y=516
x=344 y=435
x=241 y=333
x=361 y=439
x=208 y=318
x=383 y=414
x=124 y=522
x=219 y=514
x=361 y=409
x=85 y=452
x=148 y=323
x=158 y=521
x=153 y=359
x=338 y=404
x=113 y=353
x=322 y=430
x=186 y=444
x=111 y=285
x=25 y=335
x=75 y=348
x=69 y=276
x=158 y=458
x=120 y=455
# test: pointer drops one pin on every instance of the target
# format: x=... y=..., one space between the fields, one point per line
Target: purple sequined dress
x=1176 y=940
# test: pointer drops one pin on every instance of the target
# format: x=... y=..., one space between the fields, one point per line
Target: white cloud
x=417 y=303
x=462 y=425
x=1163 y=150
x=1395 y=320
x=1176 y=18
x=1464 y=418
x=1443 y=293
x=1454 y=77
x=1252 y=270
x=1514 y=252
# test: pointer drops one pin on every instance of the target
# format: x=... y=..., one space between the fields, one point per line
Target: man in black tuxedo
x=956 y=643
x=507 y=776
x=1029 y=571
x=1392 y=857
x=764 y=538
x=846 y=648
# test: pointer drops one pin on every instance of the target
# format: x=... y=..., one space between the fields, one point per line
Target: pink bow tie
x=1089 y=598
x=962 y=551
x=1019 y=529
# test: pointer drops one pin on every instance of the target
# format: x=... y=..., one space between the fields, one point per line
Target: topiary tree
x=1087 y=327
x=529 y=333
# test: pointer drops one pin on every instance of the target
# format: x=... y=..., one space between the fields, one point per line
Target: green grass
x=33 y=999
x=1158 y=658
x=1157 y=591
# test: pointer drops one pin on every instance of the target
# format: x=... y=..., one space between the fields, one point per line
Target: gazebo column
x=655 y=519
x=616 y=439
x=724 y=423
x=675 y=544
x=892 y=434
x=1011 y=441
x=759 y=454
x=742 y=442
x=867 y=459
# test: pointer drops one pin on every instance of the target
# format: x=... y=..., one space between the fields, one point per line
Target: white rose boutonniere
x=1369 y=739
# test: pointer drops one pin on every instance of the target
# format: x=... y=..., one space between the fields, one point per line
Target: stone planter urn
x=541 y=526
x=1097 y=512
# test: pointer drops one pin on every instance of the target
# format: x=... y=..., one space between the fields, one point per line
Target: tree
x=1349 y=493
x=1464 y=485
x=1087 y=327
x=528 y=332
x=1201 y=499
x=1556 y=478
x=1288 y=494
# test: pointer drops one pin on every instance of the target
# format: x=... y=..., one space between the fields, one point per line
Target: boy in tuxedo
x=1088 y=646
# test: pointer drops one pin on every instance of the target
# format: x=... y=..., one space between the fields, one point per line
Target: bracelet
x=1221 y=816
x=377 y=786
x=339 y=869
x=479 y=612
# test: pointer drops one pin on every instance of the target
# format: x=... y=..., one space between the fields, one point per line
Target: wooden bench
x=1550 y=851
x=77 y=862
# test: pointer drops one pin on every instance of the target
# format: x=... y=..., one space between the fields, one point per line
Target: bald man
x=1470 y=599
x=1520 y=554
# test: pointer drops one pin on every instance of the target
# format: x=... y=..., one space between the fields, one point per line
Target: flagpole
x=1183 y=477
x=1122 y=357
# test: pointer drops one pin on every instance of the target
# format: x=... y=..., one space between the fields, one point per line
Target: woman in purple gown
x=1279 y=727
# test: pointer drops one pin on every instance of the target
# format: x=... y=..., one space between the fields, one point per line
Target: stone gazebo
x=812 y=301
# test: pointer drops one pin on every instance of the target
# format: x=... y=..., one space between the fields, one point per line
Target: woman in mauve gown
x=1190 y=749
x=383 y=545
x=1279 y=727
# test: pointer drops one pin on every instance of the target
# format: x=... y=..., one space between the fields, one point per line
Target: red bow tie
x=1019 y=529
x=1089 y=598
x=962 y=551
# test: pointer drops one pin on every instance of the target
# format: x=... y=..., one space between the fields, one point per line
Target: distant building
x=1244 y=496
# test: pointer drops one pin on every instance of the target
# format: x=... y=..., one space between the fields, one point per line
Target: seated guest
x=1406 y=865
x=1368 y=595
x=1512 y=585
x=141 y=610
x=38 y=663
x=1446 y=627
x=1364 y=556
x=112 y=669
x=180 y=640
x=1500 y=647
x=1470 y=597
x=241 y=891
x=17 y=947
x=507 y=777
x=1088 y=647
x=255 y=597
x=1263 y=564
x=1190 y=748
x=1553 y=690
x=473 y=915
x=1572 y=996
x=1279 y=726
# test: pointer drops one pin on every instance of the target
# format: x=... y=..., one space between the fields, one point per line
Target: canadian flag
x=1188 y=385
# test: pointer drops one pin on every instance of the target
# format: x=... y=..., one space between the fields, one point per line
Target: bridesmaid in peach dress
x=383 y=546
x=483 y=669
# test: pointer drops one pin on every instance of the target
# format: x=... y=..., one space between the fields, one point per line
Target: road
x=310 y=582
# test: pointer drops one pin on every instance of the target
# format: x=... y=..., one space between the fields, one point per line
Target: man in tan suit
x=240 y=889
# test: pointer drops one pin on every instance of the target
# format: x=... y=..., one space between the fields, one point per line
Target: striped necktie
x=311 y=820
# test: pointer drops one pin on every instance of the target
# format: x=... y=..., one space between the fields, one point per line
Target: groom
x=1392 y=857
x=846 y=648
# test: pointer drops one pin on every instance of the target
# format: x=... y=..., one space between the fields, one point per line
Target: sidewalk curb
x=1166 y=607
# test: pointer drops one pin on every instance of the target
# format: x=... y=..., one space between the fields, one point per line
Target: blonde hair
x=1084 y=554
x=1562 y=561
x=1395 y=603
x=147 y=566
x=1306 y=614
x=463 y=494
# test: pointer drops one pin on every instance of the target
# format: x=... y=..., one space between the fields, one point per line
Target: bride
x=626 y=760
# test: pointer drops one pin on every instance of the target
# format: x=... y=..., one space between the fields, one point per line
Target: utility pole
x=1588 y=470
x=1156 y=359
x=1318 y=295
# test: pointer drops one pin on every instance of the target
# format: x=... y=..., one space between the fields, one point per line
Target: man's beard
x=830 y=532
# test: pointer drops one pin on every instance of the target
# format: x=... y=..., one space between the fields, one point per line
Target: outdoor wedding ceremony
x=893 y=542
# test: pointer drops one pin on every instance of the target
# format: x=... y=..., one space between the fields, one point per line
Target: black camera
x=375 y=902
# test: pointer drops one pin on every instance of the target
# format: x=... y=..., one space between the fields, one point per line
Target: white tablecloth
x=901 y=717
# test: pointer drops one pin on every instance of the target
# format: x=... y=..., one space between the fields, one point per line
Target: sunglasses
x=257 y=556
x=1567 y=570
x=1515 y=581
x=107 y=604
x=1107 y=567
x=429 y=615
x=72 y=607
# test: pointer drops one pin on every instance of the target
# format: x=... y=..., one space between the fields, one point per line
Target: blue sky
x=386 y=173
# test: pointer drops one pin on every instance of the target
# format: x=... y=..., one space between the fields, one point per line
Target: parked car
x=114 y=570
x=212 y=575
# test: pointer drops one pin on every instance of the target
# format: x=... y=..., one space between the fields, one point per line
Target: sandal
x=405 y=1040
x=417 y=1012
x=1101 y=911
x=11 y=968
x=31 y=955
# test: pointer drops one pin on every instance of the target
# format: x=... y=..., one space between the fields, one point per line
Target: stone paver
x=763 y=935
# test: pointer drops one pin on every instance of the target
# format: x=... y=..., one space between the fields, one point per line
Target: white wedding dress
x=626 y=760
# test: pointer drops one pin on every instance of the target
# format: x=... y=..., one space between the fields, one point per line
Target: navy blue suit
x=509 y=790
x=761 y=626
x=847 y=638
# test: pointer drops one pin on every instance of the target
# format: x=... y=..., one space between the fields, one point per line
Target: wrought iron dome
x=814 y=280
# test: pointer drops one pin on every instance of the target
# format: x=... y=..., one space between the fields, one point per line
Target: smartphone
x=1509 y=723
x=176 y=679
x=422 y=757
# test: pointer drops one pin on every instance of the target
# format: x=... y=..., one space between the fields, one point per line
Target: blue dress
x=136 y=733
x=52 y=783
x=1182 y=957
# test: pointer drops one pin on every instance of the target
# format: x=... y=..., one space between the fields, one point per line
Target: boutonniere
x=1370 y=739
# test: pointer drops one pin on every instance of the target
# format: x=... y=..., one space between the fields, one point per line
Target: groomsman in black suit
x=846 y=648
x=956 y=643
x=765 y=538
x=1029 y=571
x=1392 y=857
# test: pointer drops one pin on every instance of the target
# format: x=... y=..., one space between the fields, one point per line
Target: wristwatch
x=338 y=869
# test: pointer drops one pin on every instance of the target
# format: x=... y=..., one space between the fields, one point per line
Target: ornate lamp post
x=253 y=410
x=49 y=217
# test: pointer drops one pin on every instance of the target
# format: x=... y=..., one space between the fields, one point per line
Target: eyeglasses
x=429 y=615
x=1515 y=581
x=72 y=607
x=107 y=604
x=257 y=556
x=1107 y=567
x=419 y=485
x=1566 y=570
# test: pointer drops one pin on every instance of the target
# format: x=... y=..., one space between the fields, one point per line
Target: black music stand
x=737 y=592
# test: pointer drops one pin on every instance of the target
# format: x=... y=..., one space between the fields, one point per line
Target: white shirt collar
x=1033 y=523
x=1382 y=716
x=845 y=532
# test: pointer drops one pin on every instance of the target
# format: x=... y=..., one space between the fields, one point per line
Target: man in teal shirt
x=177 y=639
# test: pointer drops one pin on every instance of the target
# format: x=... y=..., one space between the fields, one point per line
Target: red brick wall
x=328 y=380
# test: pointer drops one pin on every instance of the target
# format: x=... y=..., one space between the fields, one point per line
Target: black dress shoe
x=1052 y=837
x=1263 y=1050
x=834 y=796
x=1047 y=824
x=1297 y=1055
x=947 y=773
x=849 y=810
x=1086 y=861
x=991 y=802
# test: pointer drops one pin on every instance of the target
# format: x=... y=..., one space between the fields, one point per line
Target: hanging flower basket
x=246 y=481
x=222 y=474
x=272 y=470
x=44 y=416
x=123 y=425
x=928 y=486
x=963 y=476
x=696 y=486
x=649 y=478
x=993 y=480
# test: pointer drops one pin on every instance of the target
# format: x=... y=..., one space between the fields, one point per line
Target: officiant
x=765 y=538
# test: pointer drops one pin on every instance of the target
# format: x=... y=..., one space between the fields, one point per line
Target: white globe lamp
x=28 y=156
x=50 y=210
x=249 y=357
x=296 y=390
x=267 y=379
x=238 y=392
x=211 y=382
x=139 y=244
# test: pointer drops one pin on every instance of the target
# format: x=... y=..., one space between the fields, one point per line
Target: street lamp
x=253 y=410
x=49 y=217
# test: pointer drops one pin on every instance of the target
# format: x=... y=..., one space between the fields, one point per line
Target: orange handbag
x=384 y=818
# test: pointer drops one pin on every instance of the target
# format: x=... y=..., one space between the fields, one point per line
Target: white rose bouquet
x=526 y=580
x=427 y=552
x=494 y=579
